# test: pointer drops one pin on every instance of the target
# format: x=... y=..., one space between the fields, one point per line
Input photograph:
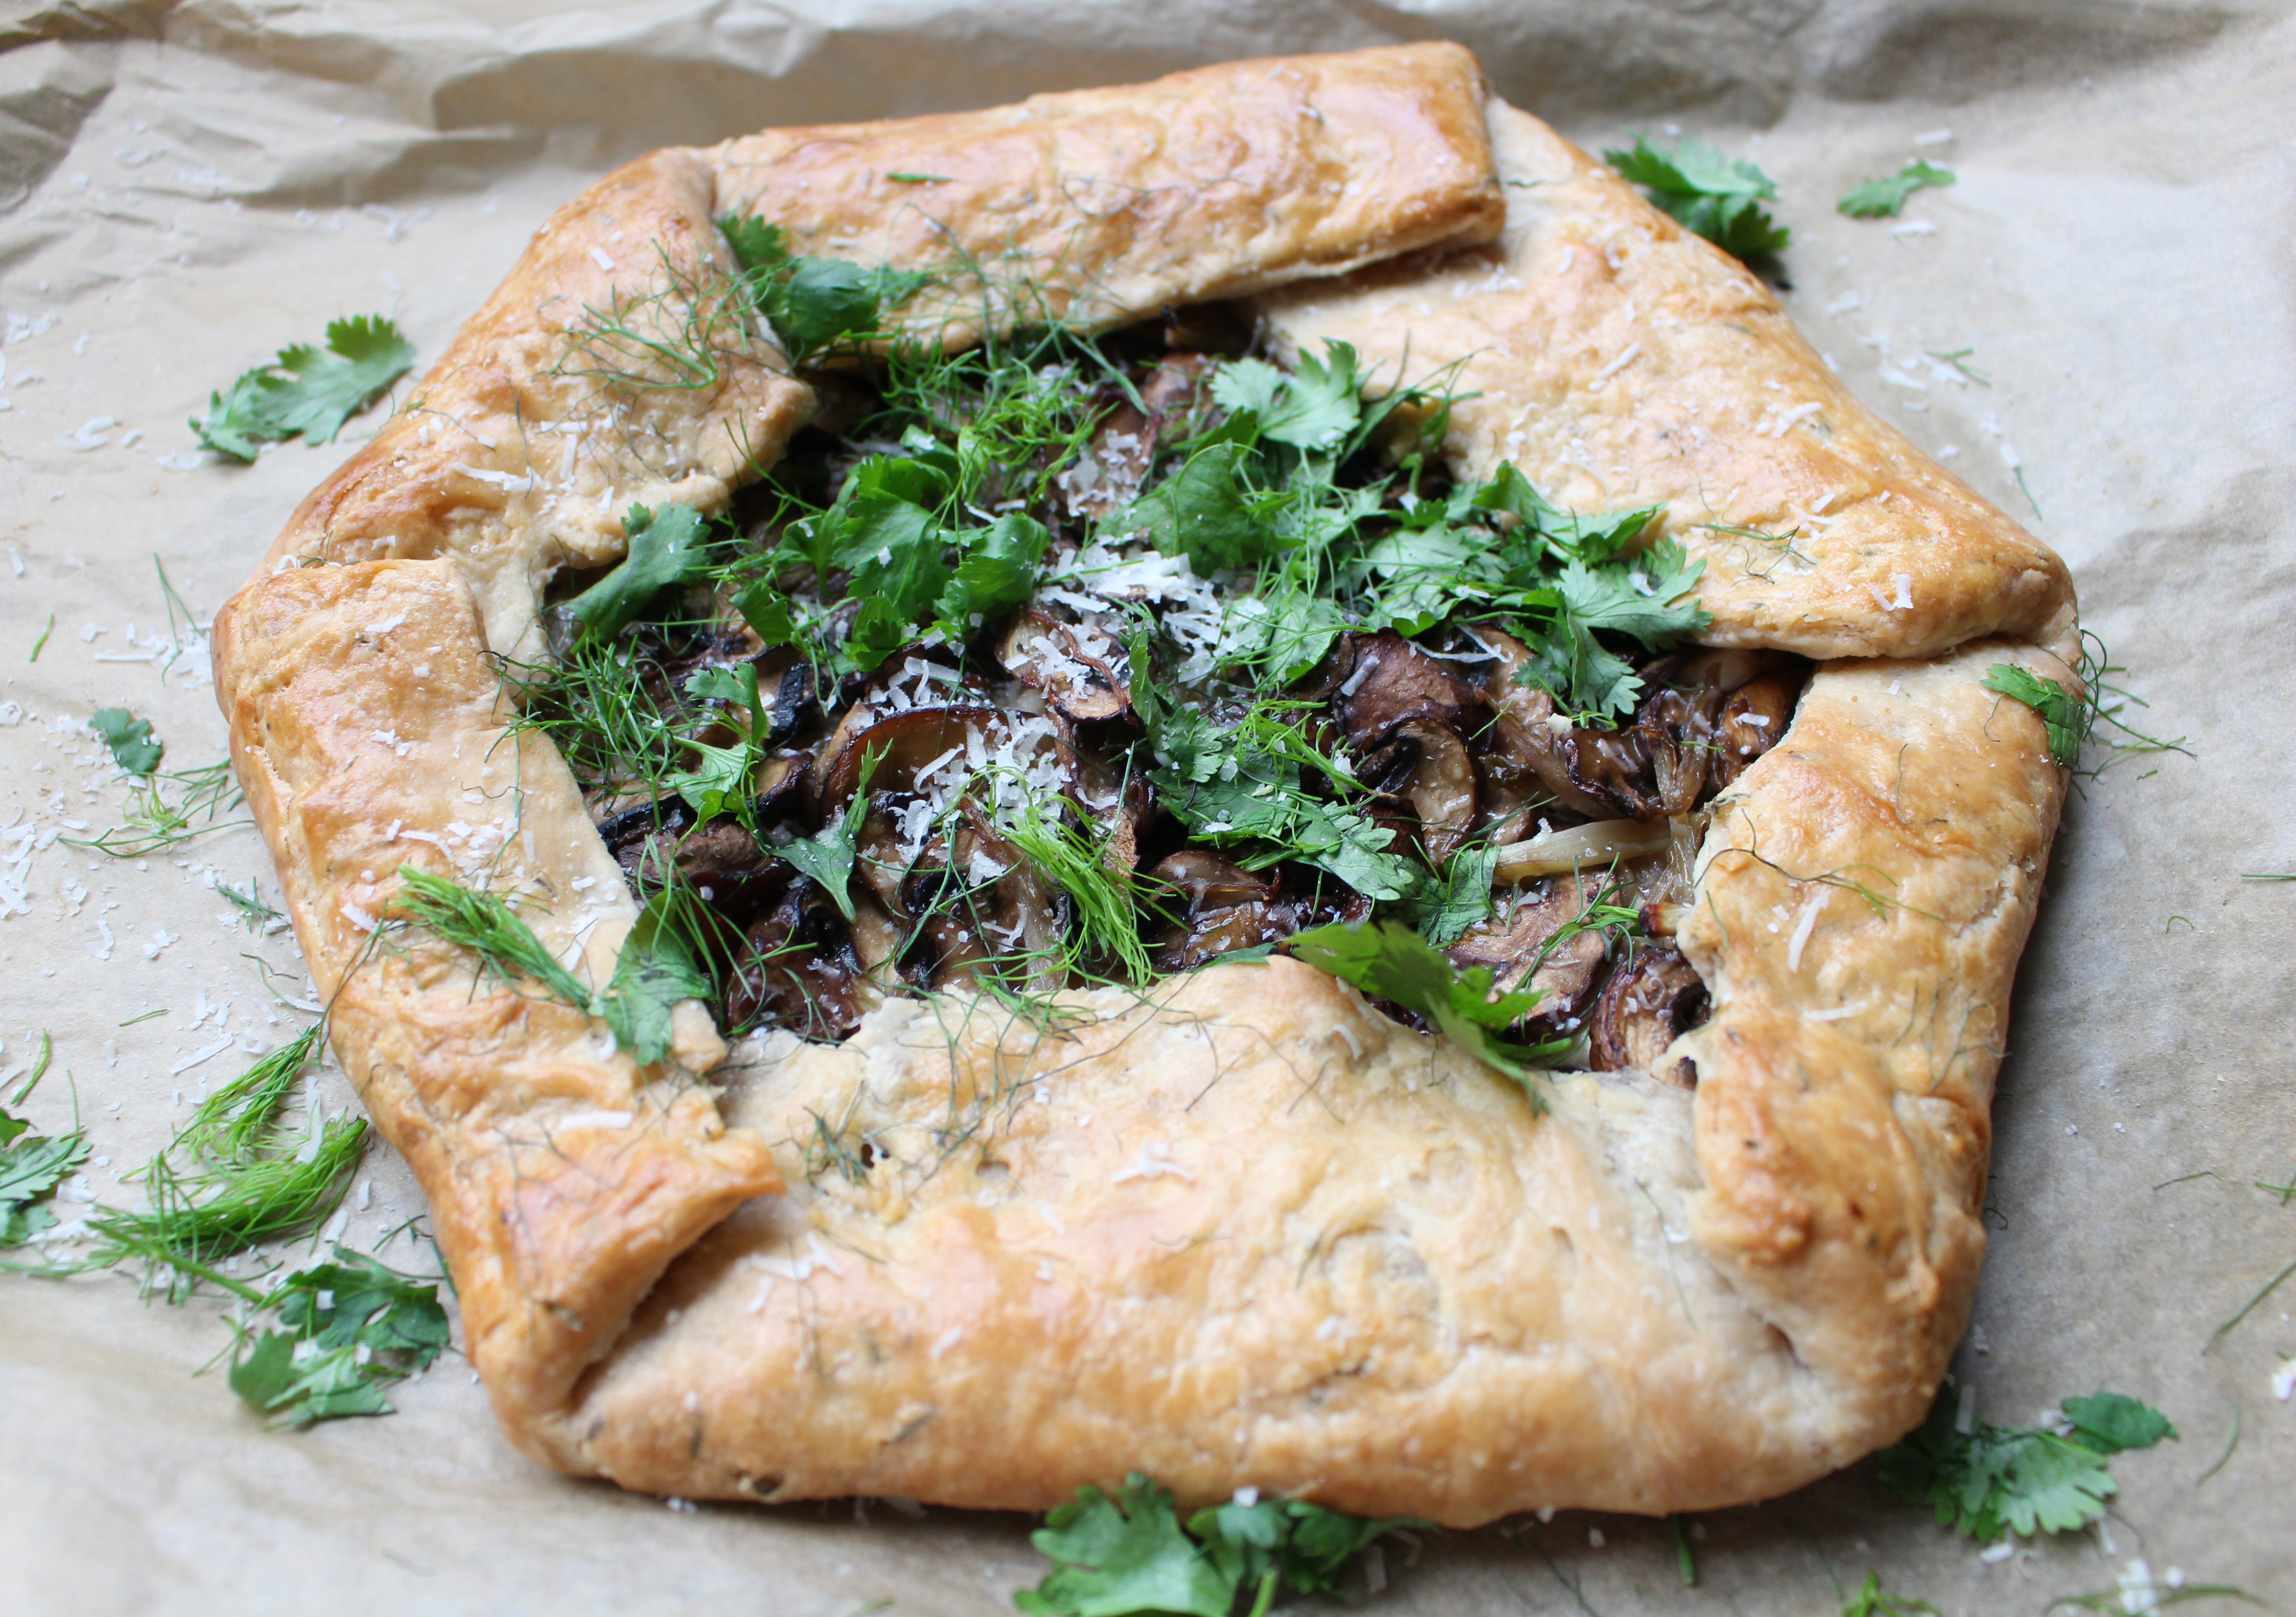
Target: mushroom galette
x=1344 y=806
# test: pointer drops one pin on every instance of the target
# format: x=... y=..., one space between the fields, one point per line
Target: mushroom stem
x=1580 y=846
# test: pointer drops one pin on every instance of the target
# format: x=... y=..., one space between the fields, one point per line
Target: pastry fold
x=1238 y=1230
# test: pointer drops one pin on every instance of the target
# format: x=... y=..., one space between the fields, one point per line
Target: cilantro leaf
x=1588 y=536
x=996 y=568
x=1990 y=1479
x=1204 y=512
x=1637 y=596
x=1390 y=961
x=1308 y=1546
x=31 y=1166
x=876 y=633
x=1714 y=196
x=1121 y=1556
x=1315 y=407
x=656 y=970
x=133 y=748
x=349 y=1328
x=2068 y=720
x=667 y=549
x=1872 y=1600
x=813 y=305
x=1443 y=905
x=827 y=855
x=1884 y=198
x=320 y=389
x=767 y=612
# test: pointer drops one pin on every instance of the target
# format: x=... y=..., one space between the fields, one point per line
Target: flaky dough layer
x=1240 y=1231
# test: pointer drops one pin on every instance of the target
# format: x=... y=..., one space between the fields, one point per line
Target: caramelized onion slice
x=1578 y=847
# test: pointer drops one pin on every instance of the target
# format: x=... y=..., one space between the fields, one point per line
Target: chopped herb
x=667 y=549
x=1885 y=198
x=31 y=1165
x=129 y=739
x=255 y=914
x=349 y=1328
x=2068 y=721
x=1108 y=920
x=1717 y=197
x=143 y=1016
x=900 y=177
x=1129 y=1555
x=1685 y=1559
x=1443 y=905
x=1204 y=513
x=1873 y=1601
x=1390 y=961
x=1958 y=360
x=813 y=305
x=656 y=969
x=1988 y=1480
x=41 y=644
x=156 y=823
x=2146 y=1596
x=307 y=390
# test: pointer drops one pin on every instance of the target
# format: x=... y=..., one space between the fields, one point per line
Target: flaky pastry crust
x=1239 y=1230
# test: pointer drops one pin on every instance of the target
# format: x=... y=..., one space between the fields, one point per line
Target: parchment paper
x=186 y=187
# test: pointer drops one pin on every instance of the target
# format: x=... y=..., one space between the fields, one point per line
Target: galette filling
x=1069 y=661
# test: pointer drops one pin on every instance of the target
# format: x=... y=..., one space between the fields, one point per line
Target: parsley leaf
x=1991 y=1480
x=827 y=855
x=1884 y=198
x=1390 y=961
x=656 y=970
x=667 y=549
x=349 y=1328
x=1444 y=903
x=1875 y=1601
x=2067 y=719
x=128 y=737
x=1129 y=1556
x=1717 y=197
x=321 y=389
x=996 y=571
x=1204 y=512
x=31 y=1166
x=1642 y=597
x=1122 y=1556
x=813 y=305
x=1587 y=535
x=1315 y=407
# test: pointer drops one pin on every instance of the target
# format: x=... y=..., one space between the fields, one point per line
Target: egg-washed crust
x=1238 y=1230
x=1620 y=360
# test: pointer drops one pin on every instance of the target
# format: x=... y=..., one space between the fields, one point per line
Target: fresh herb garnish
x=1717 y=197
x=1872 y=1600
x=813 y=305
x=129 y=739
x=1985 y=1481
x=307 y=390
x=667 y=549
x=31 y=1165
x=2069 y=720
x=349 y=1328
x=1885 y=198
x=656 y=969
x=1130 y=1556
x=1390 y=961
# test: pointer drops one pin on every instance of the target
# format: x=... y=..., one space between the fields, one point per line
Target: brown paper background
x=186 y=188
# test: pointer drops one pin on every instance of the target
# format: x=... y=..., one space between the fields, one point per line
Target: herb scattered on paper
x=307 y=390
x=1885 y=198
x=1984 y=1481
x=1717 y=197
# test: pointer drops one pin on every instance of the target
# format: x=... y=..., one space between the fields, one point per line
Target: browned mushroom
x=1520 y=944
x=800 y=968
x=1409 y=717
x=1753 y=720
x=1081 y=668
x=1526 y=745
x=1220 y=907
x=1650 y=1002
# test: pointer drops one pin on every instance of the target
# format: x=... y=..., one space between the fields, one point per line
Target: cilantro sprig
x=307 y=391
x=815 y=305
x=133 y=748
x=1885 y=198
x=1988 y=1480
x=1717 y=197
x=33 y=1166
x=1130 y=1555
x=347 y=1329
x=2068 y=719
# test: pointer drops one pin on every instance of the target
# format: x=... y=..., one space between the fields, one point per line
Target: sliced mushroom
x=801 y=969
x=1409 y=717
x=1527 y=742
x=1650 y=1002
x=1081 y=668
x=1222 y=908
x=1519 y=944
x=1753 y=720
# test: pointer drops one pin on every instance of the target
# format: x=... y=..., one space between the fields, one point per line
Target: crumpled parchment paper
x=185 y=187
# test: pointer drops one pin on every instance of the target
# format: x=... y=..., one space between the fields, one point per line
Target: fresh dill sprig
x=158 y=821
x=254 y=914
x=1107 y=914
x=349 y=1327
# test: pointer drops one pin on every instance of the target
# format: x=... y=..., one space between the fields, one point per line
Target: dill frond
x=1108 y=923
x=484 y=923
x=158 y=821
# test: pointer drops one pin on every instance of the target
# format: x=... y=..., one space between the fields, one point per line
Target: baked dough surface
x=1241 y=1230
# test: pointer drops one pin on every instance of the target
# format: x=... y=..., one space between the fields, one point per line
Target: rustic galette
x=1338 y=803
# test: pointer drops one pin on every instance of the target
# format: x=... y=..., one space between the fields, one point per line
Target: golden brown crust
x=1252 y=1234
x=1619 y=360
x=1108 y=205
x=369 y=731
